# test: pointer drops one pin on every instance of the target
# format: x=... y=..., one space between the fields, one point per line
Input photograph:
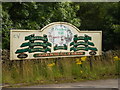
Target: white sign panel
x=59 y=39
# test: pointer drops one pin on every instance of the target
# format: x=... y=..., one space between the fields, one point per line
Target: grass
x=44 y=71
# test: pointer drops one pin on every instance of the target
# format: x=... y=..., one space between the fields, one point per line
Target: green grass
x=64 y=70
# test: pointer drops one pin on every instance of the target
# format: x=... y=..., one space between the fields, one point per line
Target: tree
x=100 y=16
x=86 y=16
x=35 y=15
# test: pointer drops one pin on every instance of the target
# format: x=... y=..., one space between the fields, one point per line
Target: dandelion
x=116 y=58
x=83 y=58
x=51 y=65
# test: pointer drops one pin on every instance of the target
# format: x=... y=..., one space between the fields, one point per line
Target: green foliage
x=35 y=15
x=101 y=16
x=6 y=26
x=66 y=12
x=85 y=16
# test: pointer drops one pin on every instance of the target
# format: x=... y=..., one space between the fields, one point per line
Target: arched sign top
x=60 y=33
x=59 y=23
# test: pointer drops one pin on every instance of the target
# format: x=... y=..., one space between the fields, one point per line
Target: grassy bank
x=61 y=70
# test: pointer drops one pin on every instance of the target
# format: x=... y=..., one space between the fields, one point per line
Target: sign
x=58 y=39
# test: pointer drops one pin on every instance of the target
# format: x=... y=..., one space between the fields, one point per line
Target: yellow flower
x=116 y=58
x=81 y=71
x=51 y=65
x=83 y=58
x=79 y=62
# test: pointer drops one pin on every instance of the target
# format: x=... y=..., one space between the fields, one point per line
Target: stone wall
x=5 y=55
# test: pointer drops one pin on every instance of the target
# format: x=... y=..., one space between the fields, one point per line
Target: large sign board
x=58 y=39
